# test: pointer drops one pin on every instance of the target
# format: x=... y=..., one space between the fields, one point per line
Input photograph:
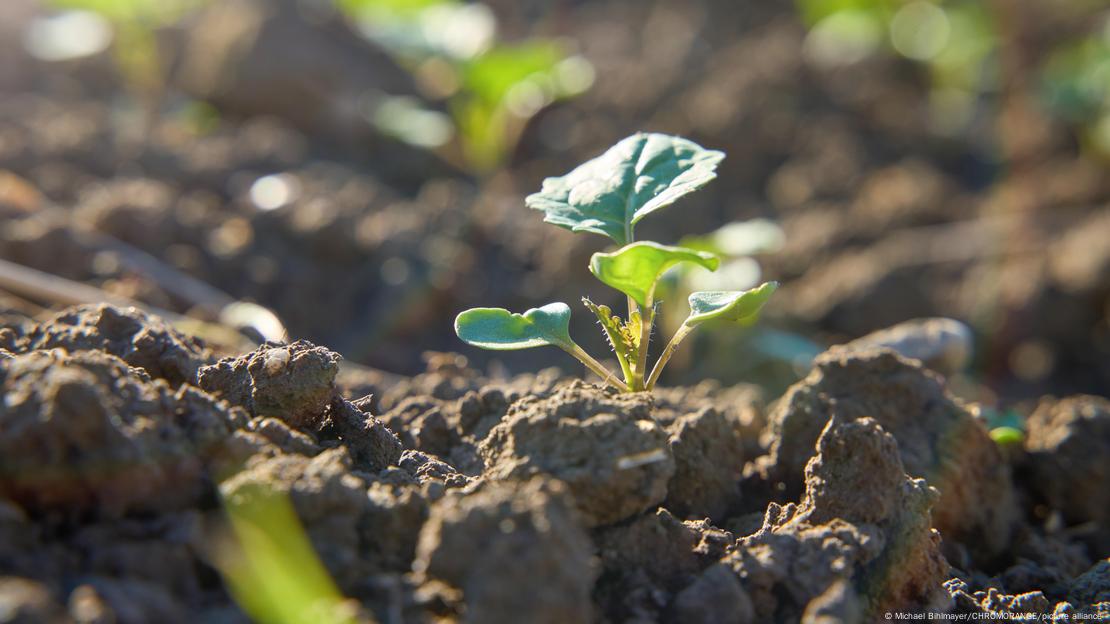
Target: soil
x=450 y=496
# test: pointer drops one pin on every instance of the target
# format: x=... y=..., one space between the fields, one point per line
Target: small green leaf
x=611 y=193
x=634 y=269
x=614 y=329
x=501 y=330
x=736 y=305
x=1007 y=436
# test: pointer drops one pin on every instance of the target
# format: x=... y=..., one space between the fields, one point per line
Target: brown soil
x=452 y=497
x=886 y=219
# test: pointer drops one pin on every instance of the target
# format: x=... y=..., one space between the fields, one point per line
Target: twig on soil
x=217 y=305
x=48 y=288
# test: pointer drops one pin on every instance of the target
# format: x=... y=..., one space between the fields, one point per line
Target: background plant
x=135 y=25
x=609 y=195
x=971 y=53
x=491 y=87
x=1077 y=87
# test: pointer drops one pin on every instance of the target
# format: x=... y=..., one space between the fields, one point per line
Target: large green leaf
x=611 y=193
x=501 y=330
x=734 y=305
x=634 y=269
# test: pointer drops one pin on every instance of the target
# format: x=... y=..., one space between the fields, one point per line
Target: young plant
x=491 y=87
x=609 y=195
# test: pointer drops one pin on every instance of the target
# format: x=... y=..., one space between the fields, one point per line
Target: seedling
x=609 y=195
x=491 y=87
x=138 y=56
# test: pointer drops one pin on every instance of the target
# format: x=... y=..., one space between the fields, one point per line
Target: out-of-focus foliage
x=1077 y=86
x=151 y=12
x=959 y=42
x=735 y=243
x=271 y=568
x=491 y=88
x=956 y=40
x=134 y=23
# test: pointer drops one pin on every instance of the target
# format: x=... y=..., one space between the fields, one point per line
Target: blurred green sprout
x=1077 y=86
x=609 y=195
x=491 y=88
x=270 y=567
x=955 y=40
x=134 y=24
x=960 y=43
x=1007 y=436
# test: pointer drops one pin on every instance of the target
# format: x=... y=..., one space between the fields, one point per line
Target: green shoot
x=609 y=195
x=490 y=87
x=270 y=566
x=135 y=25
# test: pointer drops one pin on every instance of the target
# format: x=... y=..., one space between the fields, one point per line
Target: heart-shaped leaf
x=728 y=305
x=634 y=269
x=501 y=330
x=611 y=193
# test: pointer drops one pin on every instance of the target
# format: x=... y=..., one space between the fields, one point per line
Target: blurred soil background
x=358 y=167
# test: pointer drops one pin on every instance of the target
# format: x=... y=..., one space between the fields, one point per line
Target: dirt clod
x=294 y=382
x=941 y=344
x=84 y=432
x=1069 y=456
x=884 y=545
x=372 y=445
x=709 y=461
x=606 y=447
x=715 y=597
x=141 y=340
x=648 y=560
x=937 y=439
x=516 y=552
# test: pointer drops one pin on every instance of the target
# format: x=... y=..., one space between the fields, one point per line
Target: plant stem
x=635 y=380
x=664 y=357
x=647 y=319
x=596 y=367
x=626 y=368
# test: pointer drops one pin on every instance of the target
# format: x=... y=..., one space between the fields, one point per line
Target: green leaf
x=501 y=330
x=735 y=305
x=614 y=329
x=611 y=193
x=634 y=269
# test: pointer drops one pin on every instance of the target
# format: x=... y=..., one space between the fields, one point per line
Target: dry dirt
x=449 y=496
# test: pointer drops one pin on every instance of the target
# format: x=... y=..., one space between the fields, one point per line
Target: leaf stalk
x=668 y=351
x=597 y=367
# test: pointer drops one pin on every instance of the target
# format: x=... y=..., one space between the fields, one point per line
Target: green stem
x=597 y=367
x=626 y=366
x=664 y=357
x=635 y=377
x=647 y=319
